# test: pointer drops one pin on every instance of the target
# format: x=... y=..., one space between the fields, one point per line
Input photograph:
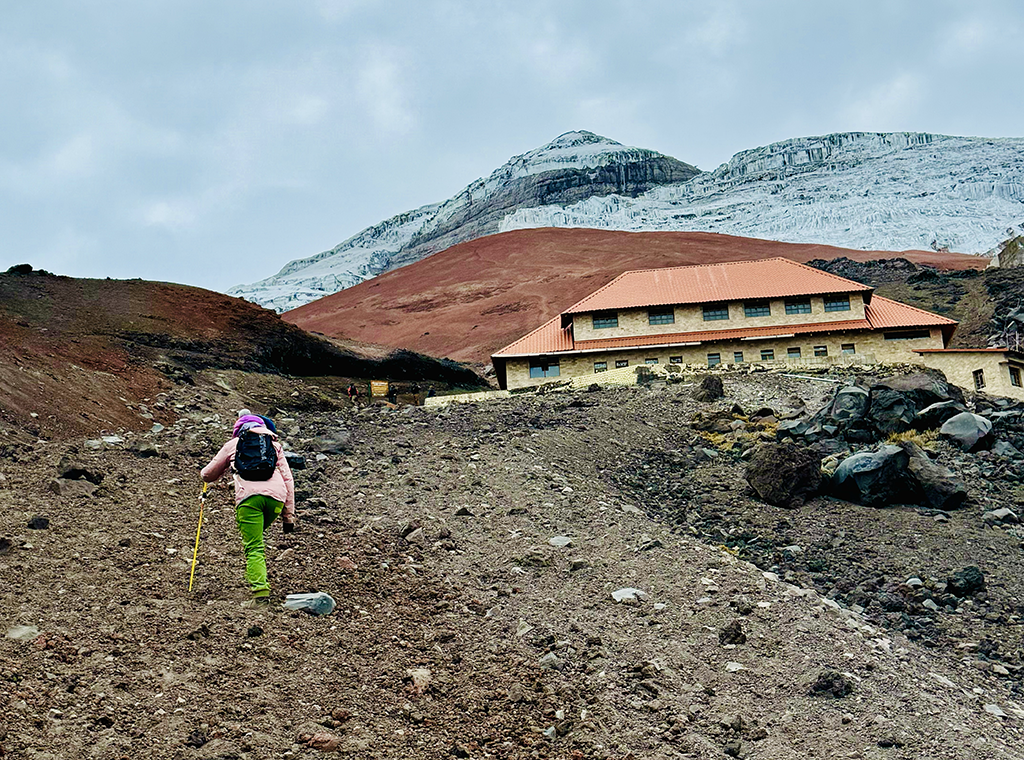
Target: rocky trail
x=560 y=575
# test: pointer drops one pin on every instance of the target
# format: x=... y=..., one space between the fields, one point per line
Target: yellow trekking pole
x=195 y=552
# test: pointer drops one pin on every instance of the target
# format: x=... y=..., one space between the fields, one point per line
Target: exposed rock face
x=573 y=167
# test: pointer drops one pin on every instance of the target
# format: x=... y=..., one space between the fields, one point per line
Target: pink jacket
x=280 y=487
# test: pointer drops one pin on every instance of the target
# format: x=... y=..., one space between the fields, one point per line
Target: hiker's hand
x=289 y=527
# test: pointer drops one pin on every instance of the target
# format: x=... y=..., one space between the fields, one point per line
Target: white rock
x=22 y=632
x=995 y=710
x=734 y=667
x=560 y=541
x=629 y=595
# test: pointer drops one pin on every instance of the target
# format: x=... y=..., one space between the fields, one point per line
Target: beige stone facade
x=997 y=373
x=690 y=318
x=864 y=346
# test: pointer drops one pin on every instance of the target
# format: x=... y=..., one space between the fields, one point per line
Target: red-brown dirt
x=476 y=297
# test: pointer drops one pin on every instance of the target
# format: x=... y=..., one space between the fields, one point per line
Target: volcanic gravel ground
x=473 y=552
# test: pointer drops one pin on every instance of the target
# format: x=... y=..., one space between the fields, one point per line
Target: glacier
x=868 y=191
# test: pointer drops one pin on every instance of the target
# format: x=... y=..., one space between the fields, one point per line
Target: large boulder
x=971 y=432
x=937 y=486
x=874 y=478
x=784 y=474
x=709 y=388
x=850 y=403
x=934 y=415
x=923 y=389
x=891 y=411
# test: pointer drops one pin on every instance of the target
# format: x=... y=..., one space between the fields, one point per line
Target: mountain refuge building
x=738 y=313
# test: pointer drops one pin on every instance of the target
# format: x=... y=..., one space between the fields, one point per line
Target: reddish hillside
x=474 y=298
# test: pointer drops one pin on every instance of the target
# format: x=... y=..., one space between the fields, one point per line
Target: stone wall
x=690 y=318
x=959 y=368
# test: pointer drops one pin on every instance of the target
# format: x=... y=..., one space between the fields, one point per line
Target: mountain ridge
x=859 y=190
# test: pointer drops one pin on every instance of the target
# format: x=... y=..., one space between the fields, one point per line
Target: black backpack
x=255 y=456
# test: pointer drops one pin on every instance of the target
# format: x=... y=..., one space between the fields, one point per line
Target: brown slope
x=476 y=297
x=83 y=355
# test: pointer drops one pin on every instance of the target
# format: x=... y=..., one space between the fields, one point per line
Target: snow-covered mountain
x=870 y=191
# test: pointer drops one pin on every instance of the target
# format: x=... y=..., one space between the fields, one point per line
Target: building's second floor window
x=606 y=319
x=979 y=379
x=849 y=348
x=544 y=368
x=821 y=350
x=798 y=306
x=600 y=366
x=713 y=311
x=1015 y=377
x=793 y=353
x=661 y=316
x=714 y=359
x=737 y=357
x=837 y=303
x=757 y=309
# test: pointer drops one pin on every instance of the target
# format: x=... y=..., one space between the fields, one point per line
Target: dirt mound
x=85 y=355
x=498 y=594
x=474 y=298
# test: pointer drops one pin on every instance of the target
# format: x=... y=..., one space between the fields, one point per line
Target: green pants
x=254 y=515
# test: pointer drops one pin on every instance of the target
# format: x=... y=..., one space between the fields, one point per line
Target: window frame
x=767 y=354
x=907 y=335
x=757 y=307
x=791 y=355
x=620 y=363
x=600 y=367
x=714 y=359
x=979 y=379
x=836 y=303
x=820 y=351
x=651 y=360
x=848 y=348
x=675 y=360
x=797 y=306
x=738 y=360
x=664 y=316
x=715 y=312
x=545 y=366
x=611 y=317
x=1015 y=377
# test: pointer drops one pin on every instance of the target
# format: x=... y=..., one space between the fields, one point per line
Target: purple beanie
x=247 y=420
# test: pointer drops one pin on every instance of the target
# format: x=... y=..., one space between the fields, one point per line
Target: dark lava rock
x=784 y=474
x=966 y=582
x=932 y=417
x=938 y=487
x=831 y=683
x=72 y=470
x=5 y=546
x=295 y=461
x=891 y=411
x=732 y=634
x=922 y=389
x=709 y=389
x=971 y=432
x=850 y=403
x=144 y=449
x=39 y=523
x=874 y=478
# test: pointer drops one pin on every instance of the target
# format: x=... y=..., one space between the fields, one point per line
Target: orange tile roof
x=885 y=313
x=707 y=283
x=547 y=338
x=703 y=336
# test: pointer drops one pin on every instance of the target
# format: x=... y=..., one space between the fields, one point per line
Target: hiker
x=353 y=393
x=264 y=490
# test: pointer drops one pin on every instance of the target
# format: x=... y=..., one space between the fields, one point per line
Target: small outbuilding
x=996 y=371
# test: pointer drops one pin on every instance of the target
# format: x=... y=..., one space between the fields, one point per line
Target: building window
x=620 y=363
x=767 y=354
x=661 y=316
x=979 y=379
x=1015 y=377
x=544 y=368
x=799 y=306
x=907 y=335
x=716 y=311
x=605 y=319
x=793 y=353
x=757 y=309
x=849 y=348
x=737 y=357
x=821 y=350
x=675 y=359
x=837 y=303
x=714 y=359
x=600 y=367
x=650 y=361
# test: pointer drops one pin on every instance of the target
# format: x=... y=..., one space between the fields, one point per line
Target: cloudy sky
x=210 y=143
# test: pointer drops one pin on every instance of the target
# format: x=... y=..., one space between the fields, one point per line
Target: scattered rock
x=966 y=582
x=22 y=632
x=874 y=478
x=72 y=488
x=937 y=485
x=831 y=683
x=971 y=432
x=709 y=388
x=70 y=469
x=418 y=679
x=560 y=541
x=39 y=523
x=784 y=474
x=1001 y=516
x=732 y=634
x=629 y=595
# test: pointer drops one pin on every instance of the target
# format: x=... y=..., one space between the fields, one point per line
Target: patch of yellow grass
x=921 y=439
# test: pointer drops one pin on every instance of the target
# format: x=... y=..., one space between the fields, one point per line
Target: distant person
x=353 y=393
x=264 y=490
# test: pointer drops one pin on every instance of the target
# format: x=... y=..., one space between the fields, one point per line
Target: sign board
x=379 y=387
